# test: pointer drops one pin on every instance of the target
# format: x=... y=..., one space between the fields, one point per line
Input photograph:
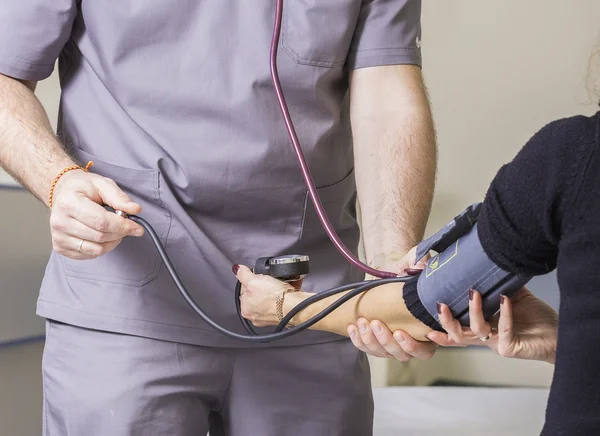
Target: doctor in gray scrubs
x=173 y=104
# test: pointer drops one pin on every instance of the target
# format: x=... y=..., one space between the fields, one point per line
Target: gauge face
x=290 y=258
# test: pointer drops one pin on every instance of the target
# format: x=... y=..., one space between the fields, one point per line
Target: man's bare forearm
x=395 y=153
x=29 y=149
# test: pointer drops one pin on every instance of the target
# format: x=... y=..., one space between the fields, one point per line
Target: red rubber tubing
x=303 y=165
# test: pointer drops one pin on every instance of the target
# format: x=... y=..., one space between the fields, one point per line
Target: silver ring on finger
x=486 y=338
x=80 y=246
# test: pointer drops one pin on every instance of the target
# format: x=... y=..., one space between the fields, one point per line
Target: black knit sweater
x=542 y=211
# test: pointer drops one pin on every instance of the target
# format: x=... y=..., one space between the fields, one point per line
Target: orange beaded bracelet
x=55 y=181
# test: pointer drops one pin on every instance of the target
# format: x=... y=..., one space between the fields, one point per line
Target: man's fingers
x=422 y=263
x=112 y=195
x=409 y=262
x=77 y=229
x=355 y=338
x=401 y=345
x=74 y=248
x=413 y=348
x=369 y=341
x=75 y=255
x=77 y=248
x=96 y=217
x=386 y=339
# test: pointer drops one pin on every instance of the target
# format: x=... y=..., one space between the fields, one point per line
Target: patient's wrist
x=290 y=301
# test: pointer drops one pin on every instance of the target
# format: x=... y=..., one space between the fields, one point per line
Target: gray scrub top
x=174 y=101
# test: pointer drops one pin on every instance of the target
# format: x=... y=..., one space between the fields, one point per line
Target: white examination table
x=458 y=411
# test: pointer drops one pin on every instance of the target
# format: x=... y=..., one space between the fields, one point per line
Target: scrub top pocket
x=319 y=32
x=135 y=261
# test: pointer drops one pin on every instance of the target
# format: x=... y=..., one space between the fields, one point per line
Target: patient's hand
x=526 y=329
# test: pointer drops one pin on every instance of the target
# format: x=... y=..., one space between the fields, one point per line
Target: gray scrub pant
x=101 y=383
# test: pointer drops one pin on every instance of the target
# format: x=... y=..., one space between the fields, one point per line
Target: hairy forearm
x=395 y=155
x=383 y=303
x=29 y=150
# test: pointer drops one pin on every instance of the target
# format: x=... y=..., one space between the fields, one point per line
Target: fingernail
x=502 y=299
x=138 y=232
x=235 y=268
x=439 y=308
x=399 y=338
x=352 y=333
x=412 y=271
x=362 y=328
x=427 y=337
x=471 y=293
x=376 y=328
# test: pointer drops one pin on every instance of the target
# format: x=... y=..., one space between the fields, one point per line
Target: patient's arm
x=385 y=303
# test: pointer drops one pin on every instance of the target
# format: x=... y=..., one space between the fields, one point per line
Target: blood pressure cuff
x=460 y=264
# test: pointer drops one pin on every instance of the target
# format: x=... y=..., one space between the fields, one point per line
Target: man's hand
x=81 y=228
x=376 y=339
x=373 y=337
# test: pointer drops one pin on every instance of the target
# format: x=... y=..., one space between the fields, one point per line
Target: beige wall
x=496 y=71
